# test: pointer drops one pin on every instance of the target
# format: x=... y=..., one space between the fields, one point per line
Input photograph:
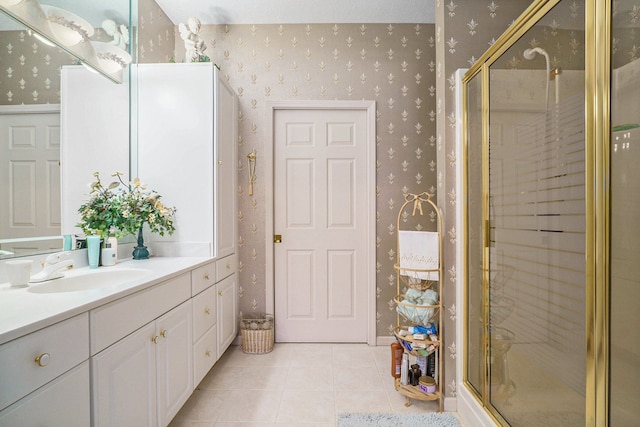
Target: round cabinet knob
x=43 y=359
x=206 y=276
x=155 y=339
x=219 y=293
x=207 y=311
x=163 y=333
x=207 y=353
x=219 y=162
x=228 y=266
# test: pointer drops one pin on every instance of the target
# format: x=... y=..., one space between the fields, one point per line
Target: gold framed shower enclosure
x=537 y=222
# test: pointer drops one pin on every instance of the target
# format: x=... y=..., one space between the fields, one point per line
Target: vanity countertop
x=23 y=311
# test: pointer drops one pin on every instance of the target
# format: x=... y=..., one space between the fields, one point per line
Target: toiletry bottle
x=396 y=359
x=93 y=250
x=108 y=255
x=404 y=372
x=113 y=241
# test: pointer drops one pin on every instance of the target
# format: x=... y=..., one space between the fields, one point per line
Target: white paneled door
x=321 y=224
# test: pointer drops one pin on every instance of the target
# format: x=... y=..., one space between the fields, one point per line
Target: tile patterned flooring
x=295 y=385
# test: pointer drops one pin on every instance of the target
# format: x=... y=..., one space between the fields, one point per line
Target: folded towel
x=419 y=250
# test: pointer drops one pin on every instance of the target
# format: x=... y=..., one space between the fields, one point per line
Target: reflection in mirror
x=30 y=207
x=98 y=38
x=30 y=148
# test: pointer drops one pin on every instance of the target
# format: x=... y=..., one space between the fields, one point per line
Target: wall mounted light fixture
x=252 y=170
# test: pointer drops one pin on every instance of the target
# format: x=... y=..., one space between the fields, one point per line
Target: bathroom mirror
x=30 y=106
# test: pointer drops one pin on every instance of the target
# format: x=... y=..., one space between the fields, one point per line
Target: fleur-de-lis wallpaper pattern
x=391 y=64
x=465 y=29
x=29 y=69
x=409 y=73
x=355 y=61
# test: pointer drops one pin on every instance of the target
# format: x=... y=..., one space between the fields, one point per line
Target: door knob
x=277 y=238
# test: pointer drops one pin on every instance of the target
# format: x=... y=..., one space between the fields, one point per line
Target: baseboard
x=385 y=340
x=470 y=411
x=450 y=404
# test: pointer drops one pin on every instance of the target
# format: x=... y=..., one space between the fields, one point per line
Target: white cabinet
x=225 y=169
x=187 y=129
x=36 y=368
x=174 y=359
x=215 y=312
x=124 y=382
x=227 y=312
x=205 y=332
x=64 y=402
x=144 y=379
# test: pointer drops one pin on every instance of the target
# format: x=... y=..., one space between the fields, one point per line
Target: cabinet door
x=175 y=103
x=62 y=403
x=225 y=167
x=124 y=381
x=227 y=312
x=174 y=361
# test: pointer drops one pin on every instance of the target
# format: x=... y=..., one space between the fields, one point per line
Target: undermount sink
x=92 y=279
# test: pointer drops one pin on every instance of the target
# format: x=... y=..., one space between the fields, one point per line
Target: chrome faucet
x=54 y=267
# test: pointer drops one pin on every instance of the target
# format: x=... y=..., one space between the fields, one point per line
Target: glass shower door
x=536 y=213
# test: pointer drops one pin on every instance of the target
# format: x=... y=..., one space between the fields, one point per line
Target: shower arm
x=530 y=54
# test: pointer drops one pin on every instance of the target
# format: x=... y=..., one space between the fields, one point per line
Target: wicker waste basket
x=257 y=334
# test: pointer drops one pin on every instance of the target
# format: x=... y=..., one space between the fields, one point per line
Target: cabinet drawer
x=202 y=278
x=62 y=403
x=115 y=320
x=59 y=347
x=225 y=267
x=204 y=354
x=204 y=312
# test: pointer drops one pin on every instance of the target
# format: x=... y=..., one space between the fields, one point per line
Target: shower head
x=531 y=53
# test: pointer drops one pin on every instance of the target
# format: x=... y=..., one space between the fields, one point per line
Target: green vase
x=140 y=251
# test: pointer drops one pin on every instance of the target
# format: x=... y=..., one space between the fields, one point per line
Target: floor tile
x=296 y=385
x=365 y=401
x=310 y=378
x=357 y=378
x=306 y=407
x=251 y=406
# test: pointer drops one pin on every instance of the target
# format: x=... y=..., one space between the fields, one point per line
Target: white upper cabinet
x=187 y=128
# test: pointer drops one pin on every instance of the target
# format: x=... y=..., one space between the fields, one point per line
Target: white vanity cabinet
x=45 y=376
x=187 y=132
x=146 y=377
x=227 y=290
x=215 y=312
x=205 y=332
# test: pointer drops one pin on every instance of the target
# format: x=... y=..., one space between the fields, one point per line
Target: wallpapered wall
x=29 y=70
x=407 y=69
x=274 y=62
x=465 y=29
x=391 y=64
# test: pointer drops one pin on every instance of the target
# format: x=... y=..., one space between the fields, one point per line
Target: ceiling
x=300 y=11
x=258 y=11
